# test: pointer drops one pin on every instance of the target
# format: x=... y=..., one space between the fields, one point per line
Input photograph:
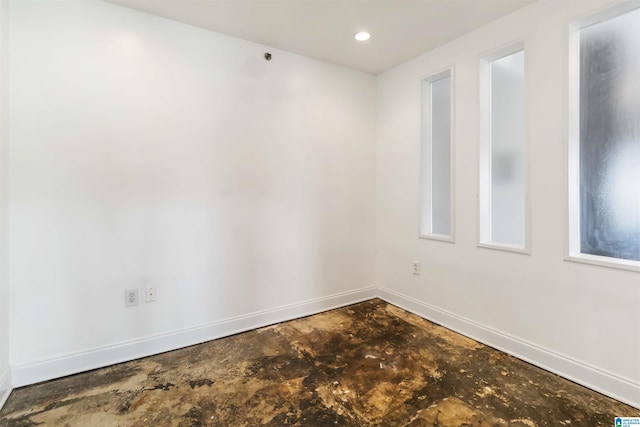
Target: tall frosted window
x=503 y=188
x=436 y=144
x=608 y=154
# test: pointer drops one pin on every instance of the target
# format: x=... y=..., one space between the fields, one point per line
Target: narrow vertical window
x=503 y=192
x=436 y=142
x=604 y=150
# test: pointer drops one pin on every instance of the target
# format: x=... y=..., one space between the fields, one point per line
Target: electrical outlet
x=130 y=297
x=149 y=294
x=416 y=268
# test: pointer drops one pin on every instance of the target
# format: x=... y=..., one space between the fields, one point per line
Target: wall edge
x=5 y=387
x=599 y=380
x=81 y=361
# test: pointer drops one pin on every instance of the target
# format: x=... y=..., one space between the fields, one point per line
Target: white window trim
x=484 y=158
x=572 y=249
x=425 y=179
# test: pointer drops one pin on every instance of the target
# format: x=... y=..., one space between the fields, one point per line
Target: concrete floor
x=369 y=364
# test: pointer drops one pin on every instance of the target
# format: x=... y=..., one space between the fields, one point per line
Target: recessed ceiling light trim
x=362 y=36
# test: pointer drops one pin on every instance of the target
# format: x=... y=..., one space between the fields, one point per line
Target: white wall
x=584 y=316
x=5 y=381
x=145 y=152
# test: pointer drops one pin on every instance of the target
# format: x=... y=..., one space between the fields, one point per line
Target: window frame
x=484 y=151
x=426 y=207
x=572 y=247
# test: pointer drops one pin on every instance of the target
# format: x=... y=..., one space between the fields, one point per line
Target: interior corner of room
x=163 y=185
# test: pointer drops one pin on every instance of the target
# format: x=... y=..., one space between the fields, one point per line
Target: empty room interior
x=314 y=213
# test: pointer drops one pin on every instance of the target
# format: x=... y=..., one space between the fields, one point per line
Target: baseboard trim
x=607 y=383
x=5 y=387
x=99 y=357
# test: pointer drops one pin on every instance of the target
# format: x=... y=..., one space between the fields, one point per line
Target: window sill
x=438 y=237
x=602 y=261
x=505 y=248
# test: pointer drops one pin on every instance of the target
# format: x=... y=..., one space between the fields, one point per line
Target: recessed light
x=362 y=36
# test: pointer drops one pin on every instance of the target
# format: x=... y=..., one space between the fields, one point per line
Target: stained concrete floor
x=369 y=364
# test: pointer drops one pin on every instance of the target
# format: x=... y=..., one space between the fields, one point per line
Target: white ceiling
x=324 y=29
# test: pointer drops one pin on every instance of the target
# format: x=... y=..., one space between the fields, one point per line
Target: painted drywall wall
x=150 y=153
x=145 y=152
x=586 y=314
x=5 y=382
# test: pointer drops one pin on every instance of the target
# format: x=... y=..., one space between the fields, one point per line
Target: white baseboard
x=74 y=363
x=5 y=387
x=607 y=383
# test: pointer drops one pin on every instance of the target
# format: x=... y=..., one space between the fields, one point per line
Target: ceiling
x=324 y=29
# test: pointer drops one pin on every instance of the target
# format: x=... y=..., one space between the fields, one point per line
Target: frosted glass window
x=609 y=137
x=503 y=218
x=436 y=144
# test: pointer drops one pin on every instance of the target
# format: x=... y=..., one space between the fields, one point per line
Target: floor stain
x=369 y=364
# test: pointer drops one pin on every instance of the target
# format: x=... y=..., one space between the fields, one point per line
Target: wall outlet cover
x=130 y=297
x=149 y=294
x=416 y=268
